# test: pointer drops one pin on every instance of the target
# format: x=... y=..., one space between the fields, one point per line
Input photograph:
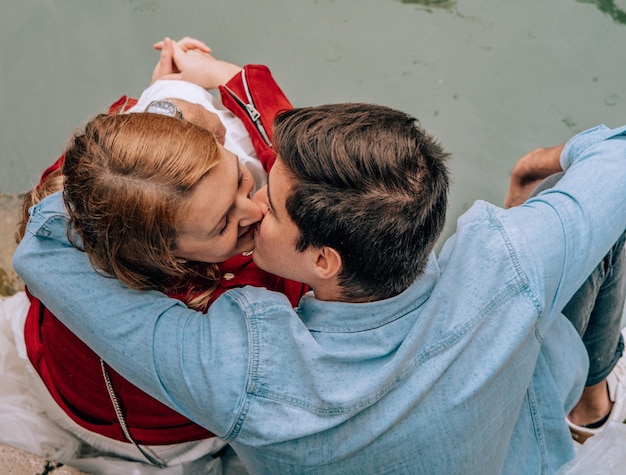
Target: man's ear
x=327 y=262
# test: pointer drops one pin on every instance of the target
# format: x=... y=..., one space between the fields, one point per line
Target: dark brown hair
x=370 y=183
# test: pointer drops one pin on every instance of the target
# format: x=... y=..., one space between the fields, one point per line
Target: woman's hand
x=165 y=67
x=187 y=44
x=191 y=60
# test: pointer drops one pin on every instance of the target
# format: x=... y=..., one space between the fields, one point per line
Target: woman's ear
x=327 y=263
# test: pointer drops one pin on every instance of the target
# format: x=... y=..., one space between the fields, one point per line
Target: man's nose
x=260 y=198
x=251 y=212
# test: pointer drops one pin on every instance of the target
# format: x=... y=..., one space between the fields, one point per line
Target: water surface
x=492 y=79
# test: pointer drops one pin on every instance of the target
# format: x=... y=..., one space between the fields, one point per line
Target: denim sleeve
x=171 y=352
x=564 y=232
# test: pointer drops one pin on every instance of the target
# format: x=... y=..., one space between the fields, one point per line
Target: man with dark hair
x=398 y=362
x=355 y=175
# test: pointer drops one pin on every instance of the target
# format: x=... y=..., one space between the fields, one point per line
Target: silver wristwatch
x=167 y=108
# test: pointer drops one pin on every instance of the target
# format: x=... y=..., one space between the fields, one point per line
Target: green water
x=491 y=78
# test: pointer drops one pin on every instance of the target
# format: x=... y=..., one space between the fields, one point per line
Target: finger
x=159 y=44
x=166 y=63
x=188 y=43
x=167 y=56
x=178 y=57
x=177 y=51
x=192 y=43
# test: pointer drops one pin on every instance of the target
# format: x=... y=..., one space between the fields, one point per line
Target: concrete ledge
x=9 y=212
x=17 y=462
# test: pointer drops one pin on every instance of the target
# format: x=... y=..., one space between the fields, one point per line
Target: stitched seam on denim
x=497 y=224
x=562 y=275
x=593 y=136
x=616 y=252
x=253 y=364
x=510 y=289
x=381 y=323
x=537 y=426
x=526 y=289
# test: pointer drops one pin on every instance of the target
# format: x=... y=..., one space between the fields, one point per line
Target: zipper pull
x=254 y=114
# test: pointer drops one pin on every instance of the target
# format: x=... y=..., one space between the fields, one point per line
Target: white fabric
x=237 y=139
x=32 y=421
x=604 y=453
x=24 y=421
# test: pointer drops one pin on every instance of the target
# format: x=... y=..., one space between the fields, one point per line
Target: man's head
x=364 y=181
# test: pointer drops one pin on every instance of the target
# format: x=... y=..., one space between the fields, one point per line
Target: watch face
x=164 y=108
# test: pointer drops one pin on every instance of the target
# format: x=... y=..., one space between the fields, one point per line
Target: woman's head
x=155 y=199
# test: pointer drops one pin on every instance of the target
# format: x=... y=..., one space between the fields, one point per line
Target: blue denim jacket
x=469 y=371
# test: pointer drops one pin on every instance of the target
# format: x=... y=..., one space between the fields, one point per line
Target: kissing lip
x=249 y=231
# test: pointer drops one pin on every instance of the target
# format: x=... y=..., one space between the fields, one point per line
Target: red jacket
x=72 y=372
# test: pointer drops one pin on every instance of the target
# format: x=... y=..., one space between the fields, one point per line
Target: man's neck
x=328 y=290
x=334 y=293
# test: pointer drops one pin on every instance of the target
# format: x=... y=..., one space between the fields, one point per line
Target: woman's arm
x=254 y=96
x=191 y=60
x=251 y=93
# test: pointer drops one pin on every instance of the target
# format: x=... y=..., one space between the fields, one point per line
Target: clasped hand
x=191 y=60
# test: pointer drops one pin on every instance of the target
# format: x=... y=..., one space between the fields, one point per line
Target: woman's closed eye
x=225 y=228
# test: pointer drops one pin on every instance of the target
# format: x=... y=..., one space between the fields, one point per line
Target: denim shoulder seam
x=527 y=290
x=458 y=333
x=253 y=362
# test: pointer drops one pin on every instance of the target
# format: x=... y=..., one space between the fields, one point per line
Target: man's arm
x=570 y=227
x=530 y=170
x=189 y=362
x=184 y=358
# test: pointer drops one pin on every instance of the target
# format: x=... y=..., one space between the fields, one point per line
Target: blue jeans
x=597 y=308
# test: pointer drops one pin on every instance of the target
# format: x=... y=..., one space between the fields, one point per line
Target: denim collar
x=346 y=317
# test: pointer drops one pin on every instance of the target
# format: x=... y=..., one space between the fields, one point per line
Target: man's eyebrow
x=269 y=200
